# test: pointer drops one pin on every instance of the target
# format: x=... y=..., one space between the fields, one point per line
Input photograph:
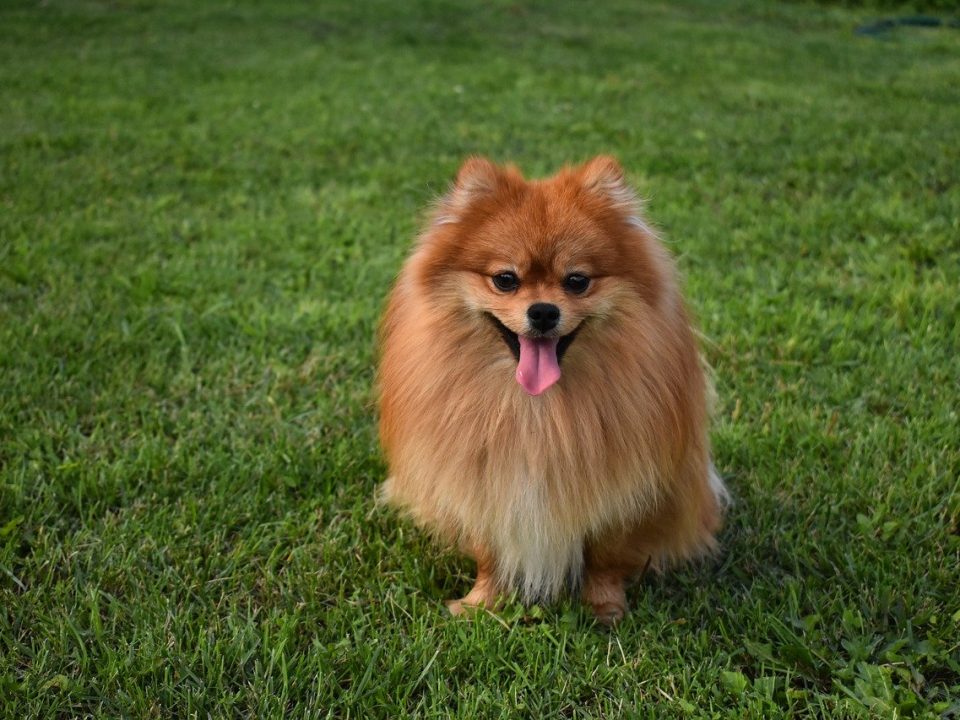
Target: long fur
x=611 y=465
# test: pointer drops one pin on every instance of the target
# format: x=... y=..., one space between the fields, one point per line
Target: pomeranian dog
x=542 y=401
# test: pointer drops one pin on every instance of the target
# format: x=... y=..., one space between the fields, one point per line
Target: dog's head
x=540 y=260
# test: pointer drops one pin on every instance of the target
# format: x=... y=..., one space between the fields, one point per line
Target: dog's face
x=538 y=261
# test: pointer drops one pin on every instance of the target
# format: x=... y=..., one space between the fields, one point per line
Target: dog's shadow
x=756 y=548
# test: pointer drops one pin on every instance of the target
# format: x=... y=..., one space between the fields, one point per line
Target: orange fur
x=605 y=473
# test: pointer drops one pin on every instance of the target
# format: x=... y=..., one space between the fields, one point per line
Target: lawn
x=202 y=207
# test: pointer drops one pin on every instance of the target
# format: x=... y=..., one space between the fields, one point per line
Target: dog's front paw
x=605 y=595
x=463 y=606
x=456 y=607
x=609 y=613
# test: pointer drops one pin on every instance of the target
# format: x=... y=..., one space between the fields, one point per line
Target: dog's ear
x=604 y=177
x=478 y=177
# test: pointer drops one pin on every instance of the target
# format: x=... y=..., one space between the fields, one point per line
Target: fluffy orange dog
x=542 y=400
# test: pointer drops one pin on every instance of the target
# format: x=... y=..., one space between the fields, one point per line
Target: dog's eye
x=576 y=283
x=506 y=281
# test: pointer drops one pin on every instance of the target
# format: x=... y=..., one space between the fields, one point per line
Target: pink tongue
x=538 y=368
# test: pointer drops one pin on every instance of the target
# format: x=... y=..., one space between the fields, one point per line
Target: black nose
x=543 y=316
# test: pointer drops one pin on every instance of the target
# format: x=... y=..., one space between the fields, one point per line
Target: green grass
x=202 y=207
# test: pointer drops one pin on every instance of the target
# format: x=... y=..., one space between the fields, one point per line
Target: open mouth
x=538 y=358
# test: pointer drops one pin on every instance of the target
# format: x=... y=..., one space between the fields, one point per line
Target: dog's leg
x=484 y=592
x=603 y=591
